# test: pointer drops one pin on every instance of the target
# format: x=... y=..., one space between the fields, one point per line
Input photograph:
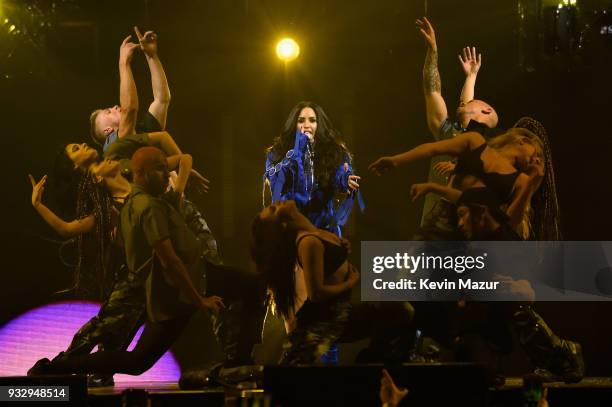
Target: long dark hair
x=330 y=150
x=545 y=217
x=94 y=257
x=275 y=255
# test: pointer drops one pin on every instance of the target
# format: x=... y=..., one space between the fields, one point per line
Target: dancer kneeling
x=283 y=236
x=150 y=225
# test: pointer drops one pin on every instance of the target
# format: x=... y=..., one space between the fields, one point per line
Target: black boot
x=41 y=367
x=562 y=358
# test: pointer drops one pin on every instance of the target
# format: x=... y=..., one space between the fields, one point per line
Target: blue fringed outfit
x=292 y=178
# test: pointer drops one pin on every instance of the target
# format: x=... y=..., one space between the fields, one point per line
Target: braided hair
x=544 y=215
x=94 y=256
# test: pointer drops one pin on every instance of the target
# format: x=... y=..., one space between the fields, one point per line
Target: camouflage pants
x=116 y=323
x=240 y=324
x=197 y=224
x=389 y=324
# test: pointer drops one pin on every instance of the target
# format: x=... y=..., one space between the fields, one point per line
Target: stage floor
x=592 y=391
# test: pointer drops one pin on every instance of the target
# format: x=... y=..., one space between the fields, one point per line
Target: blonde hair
x=513 y=136
x=93 y=129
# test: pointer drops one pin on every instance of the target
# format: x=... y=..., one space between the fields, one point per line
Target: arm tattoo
x=431 y=76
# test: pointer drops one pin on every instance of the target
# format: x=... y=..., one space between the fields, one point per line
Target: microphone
x=310 y=136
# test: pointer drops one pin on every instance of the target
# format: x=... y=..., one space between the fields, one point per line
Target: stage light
x=287 y=49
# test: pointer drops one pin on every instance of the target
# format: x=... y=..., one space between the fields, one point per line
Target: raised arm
x=453 y=146
x=159 y=83
x=63 y=228
x=432 y=85
x=470 y=64
x=310 y=252
x=128 y=96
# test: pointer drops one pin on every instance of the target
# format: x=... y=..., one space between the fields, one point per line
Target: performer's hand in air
x=428 y=32
x=148 y=42
x=126 y=51
x=469 y=61
x=38 y=188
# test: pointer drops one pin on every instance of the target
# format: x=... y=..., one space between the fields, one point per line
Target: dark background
x=361 y=60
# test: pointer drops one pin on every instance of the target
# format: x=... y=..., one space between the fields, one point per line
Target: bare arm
x=432 y=85
x=526 y=186
x=446 y=192
x=128 y=96
x=175 y=270
x=471 y=65
x=159 y=82
x=63 y=228
x=453 y=146
x=174 y=154
x=185 y=164
x=311 y=253
x=164 y=140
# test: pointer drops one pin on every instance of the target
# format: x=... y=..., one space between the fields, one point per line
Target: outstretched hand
x=148 y=42
x=201 y=182
x=38 y=188
x=382 y=165
x=469 y=61
x=427 y=32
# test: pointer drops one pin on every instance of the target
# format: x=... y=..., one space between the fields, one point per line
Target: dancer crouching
x=283 y=236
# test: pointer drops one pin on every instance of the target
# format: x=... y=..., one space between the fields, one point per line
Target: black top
x=148 y=124
x=333 y=257
x=470 y=163
x=484 y=130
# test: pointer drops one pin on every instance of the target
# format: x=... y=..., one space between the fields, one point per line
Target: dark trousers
x=389 y=324
x=238 y=328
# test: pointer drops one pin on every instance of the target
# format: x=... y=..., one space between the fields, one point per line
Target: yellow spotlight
x=287 y=49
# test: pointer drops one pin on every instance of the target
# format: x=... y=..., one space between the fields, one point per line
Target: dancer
x=110 y=124
x=282 y=236
x=471 y=114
